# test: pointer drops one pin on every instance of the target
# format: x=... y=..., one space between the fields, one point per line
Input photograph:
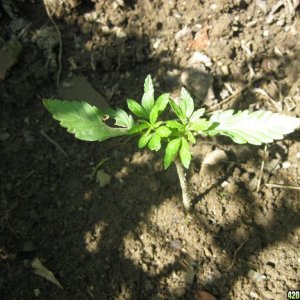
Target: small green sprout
x=88 y=123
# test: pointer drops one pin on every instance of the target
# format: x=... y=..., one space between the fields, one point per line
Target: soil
x=129 y=238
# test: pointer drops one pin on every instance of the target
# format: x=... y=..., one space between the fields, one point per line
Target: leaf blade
x=137 y=109
x=253 y=127
x=186 y=103
x=155 y=142
x=171 y=151
x=177 y=110
x=144 y=139
x=163 y=131
x=82 y=120
x=148 y=97
x=185 y=153
x=159 y=106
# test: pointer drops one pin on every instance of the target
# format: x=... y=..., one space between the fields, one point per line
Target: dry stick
x=237 y=93
x=183 y=184
x=235 y=254
x=261 y=169
x=282 y=186
x=44 y=134
x=59 y=41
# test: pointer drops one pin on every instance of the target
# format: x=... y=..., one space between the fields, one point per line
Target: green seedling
x=89 y=123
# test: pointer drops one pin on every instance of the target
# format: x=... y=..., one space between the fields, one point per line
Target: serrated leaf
x=83 y=120
x=138 y=128
x=186 y=103
x=148 y=97
x=163 y=131
x=154 y=143
x=137 y=109
x=121 y=117
x=185 y=153
x=174 y=124
x=253 y=127
x=144 y=139
x=197 y=114
x=200 y=125
x=177 y=110
x=159 y=107
x=171 y=151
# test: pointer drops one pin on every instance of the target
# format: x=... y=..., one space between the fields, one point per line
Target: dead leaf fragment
x=102 y=178
x=203 y=295
x=201 y=40
x=41 y=270
x=9 y=55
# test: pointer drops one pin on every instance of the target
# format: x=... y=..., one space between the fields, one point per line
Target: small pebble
x=265 y=33
x=286 y=165
x=225 y=70
x=232 y=188
x=176 y=244
x=254 y=295
x=255 y=276
x=224 y=184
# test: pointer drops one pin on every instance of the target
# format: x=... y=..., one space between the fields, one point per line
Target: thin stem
x=183 y=184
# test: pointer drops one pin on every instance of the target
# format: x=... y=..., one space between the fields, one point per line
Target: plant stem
x=183 y=184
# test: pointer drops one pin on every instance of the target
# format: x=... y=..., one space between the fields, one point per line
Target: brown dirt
x=131 y=239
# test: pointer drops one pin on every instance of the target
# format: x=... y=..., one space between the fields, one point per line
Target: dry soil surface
x=129 y=238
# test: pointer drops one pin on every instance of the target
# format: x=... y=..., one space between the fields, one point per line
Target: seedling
x=89 y=123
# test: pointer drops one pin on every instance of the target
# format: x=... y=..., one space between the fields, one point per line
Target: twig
x=172 y=295
x=290 y=103
x=268 y=97
x=44 y=134
x=237 y=93
x=289 y=7
x=261 y=169
x=235 y=254
x=282 y=186
x=59 y=40
x=183 y=184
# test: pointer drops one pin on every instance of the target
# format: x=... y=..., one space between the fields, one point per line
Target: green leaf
x=144 y=139
x=148 y=97
x=253 y=127
x=200 y=125
x=137 y=109
x=154 y=143
x=186 y=103
x=197 y=114
x=177 y=110
x=174 y=124
x=191 y=137
x=159 y=107
x=85 y=121
x=163 y=131
x=138 y=128
x=121 y=117
x=171 y=151
x=185 y=153
x=157 y=124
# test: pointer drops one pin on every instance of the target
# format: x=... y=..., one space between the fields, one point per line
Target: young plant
x=89 y=123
